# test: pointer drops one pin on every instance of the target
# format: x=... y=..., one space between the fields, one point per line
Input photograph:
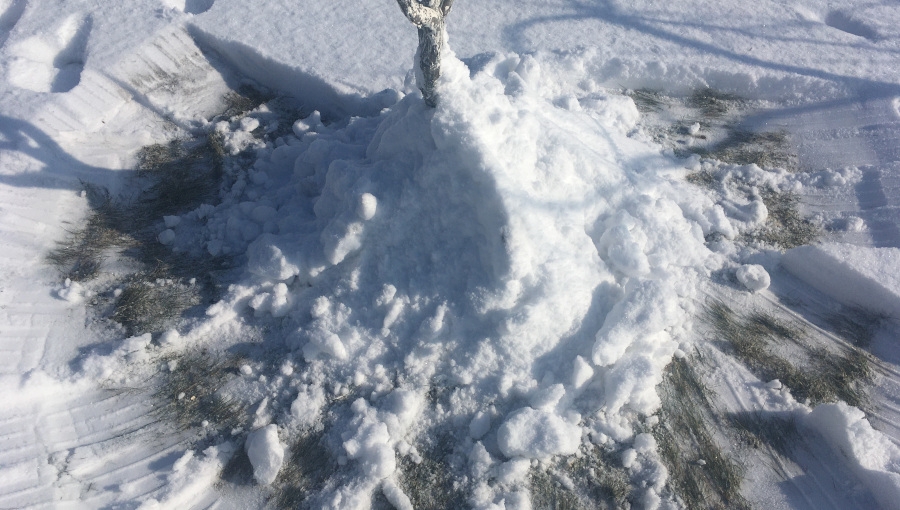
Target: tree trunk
x=429 y=18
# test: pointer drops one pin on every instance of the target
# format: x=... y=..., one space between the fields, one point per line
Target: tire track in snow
x=884 y=410
x=164 y=79
x=805 y=481
x=849 y=133
x=61 y=444
x=110 y=442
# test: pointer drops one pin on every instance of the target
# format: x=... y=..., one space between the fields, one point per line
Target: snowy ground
x=640 y=255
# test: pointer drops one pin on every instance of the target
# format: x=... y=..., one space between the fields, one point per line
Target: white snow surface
x=872 y=455
x=518 y=265
x=860 y=277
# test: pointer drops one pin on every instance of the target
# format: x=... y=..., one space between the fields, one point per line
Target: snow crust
x=855 y=276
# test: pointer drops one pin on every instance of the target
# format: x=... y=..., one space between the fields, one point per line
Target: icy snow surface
x=476 y=302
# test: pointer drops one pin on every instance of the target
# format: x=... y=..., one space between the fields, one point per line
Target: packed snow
x=459 y=301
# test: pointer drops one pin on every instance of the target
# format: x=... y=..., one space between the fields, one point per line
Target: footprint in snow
x=52 y=62
x=11 y=15
x=848 y=22
x=189 y=6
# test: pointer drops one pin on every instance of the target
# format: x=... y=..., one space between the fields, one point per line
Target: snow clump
x=266 y=453
x=754 y=277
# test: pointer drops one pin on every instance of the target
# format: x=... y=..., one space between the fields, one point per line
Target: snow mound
x=490 y=247
x=853 y=275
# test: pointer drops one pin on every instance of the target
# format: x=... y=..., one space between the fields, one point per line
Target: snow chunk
x=853 y=275
x=535 y=434
x=581 y=372
x=265 y=259
x=72 y=292
x=249 y=124
x=370 y=444
x=395 y=496
x=754 y=277
x=339 y=241
x=367 y=206
x=547 y=398
x=480 y=425
x=323 y=342
x=172 y=221
x=266 y=453
x=629 y=457
x=649 y=307
x=644 y=443
x=308 y=405
x=513 y=471
x=167 y=236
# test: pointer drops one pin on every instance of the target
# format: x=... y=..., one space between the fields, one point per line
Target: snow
x=754 y=277
x=872 y=456
x=534 y=434
x=513 y=270
x=860 y=277
x=266 y=453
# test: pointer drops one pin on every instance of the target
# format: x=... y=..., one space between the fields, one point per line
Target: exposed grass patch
x=712 y=103
x=150 y=305
x=81 y=255
x=189 y=392
x=430 y=484
x=175 y=177
x=759 y=430
x=784 y=228
x=825 y=377
x=244 y=100
x=547 y=492
x=596 y=480
x=306 y=469
x=771 y=149
x=855 y=325
x=182 y=175
x=699 y=471
x=646 y=100
x=703 y=179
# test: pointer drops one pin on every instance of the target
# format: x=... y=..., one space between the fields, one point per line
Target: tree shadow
x=606 y=11
x=812 y=474
x=61 y=170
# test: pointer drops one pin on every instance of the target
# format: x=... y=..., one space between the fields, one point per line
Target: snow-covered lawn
x=641 y=255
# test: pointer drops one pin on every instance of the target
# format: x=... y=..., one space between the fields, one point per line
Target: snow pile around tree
x=531 y=262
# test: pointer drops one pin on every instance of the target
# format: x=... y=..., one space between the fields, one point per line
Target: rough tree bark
x=428 y=16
